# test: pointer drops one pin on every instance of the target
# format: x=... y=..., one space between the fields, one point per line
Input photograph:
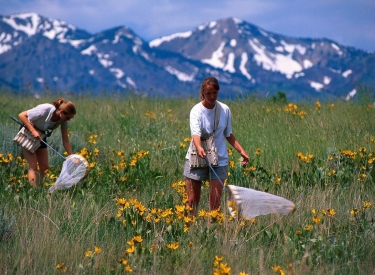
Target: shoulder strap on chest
x=217 y=115
x=48 y=120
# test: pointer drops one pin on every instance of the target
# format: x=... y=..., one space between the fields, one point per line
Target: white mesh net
x=74 y=169
x=250 y=203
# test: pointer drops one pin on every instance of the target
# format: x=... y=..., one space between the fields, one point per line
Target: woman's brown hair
x=66 y=106
x=209 y=81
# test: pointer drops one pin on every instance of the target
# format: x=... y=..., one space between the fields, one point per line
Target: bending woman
x=46 y=117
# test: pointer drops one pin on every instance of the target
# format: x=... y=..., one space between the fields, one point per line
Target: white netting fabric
x=74 y=169
x=251 y=203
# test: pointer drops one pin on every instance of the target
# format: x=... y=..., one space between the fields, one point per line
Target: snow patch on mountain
x=326 y=80
x=158 y=41
x=117 y=72
x=307 y=64
x=351 y=94
x=131 y=82
x=346 y=73
x=104 y=60
x=4 y=48
x=244 y=59
x=337 y=48
x=230 y=63
x=297 y=75
x=284 y=64
x=76 y=43
x=316 y=85
x=215 y=60
x=31 y=26
x=180 y=75
x=90 y=50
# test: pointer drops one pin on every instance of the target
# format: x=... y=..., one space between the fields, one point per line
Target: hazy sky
x=348 y=22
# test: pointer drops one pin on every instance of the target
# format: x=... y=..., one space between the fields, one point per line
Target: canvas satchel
x=208 y=144
x=26 y=140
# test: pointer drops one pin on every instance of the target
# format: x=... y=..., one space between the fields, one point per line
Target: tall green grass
x=320 y=157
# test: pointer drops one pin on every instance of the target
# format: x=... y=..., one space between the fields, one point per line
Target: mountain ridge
x=39 y=51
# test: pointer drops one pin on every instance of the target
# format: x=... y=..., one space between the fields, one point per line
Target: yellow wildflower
x=130 y=250
x=128 y=269
x=88 y=253
x=173 y=246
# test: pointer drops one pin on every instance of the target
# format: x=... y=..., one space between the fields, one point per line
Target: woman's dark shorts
x=42 y=144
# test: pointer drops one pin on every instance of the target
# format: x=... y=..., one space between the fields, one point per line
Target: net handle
x=16 y=120
x=53 y=149
x=212 y=169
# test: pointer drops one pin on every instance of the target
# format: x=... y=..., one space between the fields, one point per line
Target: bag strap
x=48 y=120
x=217 y=115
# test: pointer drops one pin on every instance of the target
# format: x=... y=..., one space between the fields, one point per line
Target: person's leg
x=216 y=189
x=193 y=189
x=32 y=163
x=42 y=157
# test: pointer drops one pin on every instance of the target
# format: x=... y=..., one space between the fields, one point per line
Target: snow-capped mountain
x=38 y=53
x=238 y=47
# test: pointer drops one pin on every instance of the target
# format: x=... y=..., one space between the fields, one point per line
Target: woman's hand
x=201 y=152
x=245 y=158
x=36 y=134
x=198 y=145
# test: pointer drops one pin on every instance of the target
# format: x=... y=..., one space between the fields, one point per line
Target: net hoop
x=250 y=203
x=83 y=161
x=74 y=169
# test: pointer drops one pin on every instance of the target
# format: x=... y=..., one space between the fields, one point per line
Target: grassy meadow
x=129 y=216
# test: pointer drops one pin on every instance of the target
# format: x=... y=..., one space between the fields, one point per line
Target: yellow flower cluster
x=92 y=139
x=214 y=215
x=331 y=173
x=356 y=211
x=220 y=268
x=173 y=246
x=62 y=267
x=6 y=158
x=90 y=253
x=293 y=109
x=279 y=269
x=150 y=114
x=277 y=179
x=155 y=215
x=348 y=153
x=136 y=157
x=317 y=105
x=329 y=212
x=247 y=170
x=303 y=158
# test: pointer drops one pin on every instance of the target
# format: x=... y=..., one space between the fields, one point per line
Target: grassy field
x=128 y=215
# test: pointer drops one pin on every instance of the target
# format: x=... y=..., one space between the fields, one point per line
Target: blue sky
x=348 y=22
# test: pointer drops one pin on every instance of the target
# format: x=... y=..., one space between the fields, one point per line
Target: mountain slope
x=261 y=56
x=39 y=53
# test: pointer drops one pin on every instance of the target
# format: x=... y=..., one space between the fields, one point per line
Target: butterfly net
x=250 y=203
x=74 y=169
